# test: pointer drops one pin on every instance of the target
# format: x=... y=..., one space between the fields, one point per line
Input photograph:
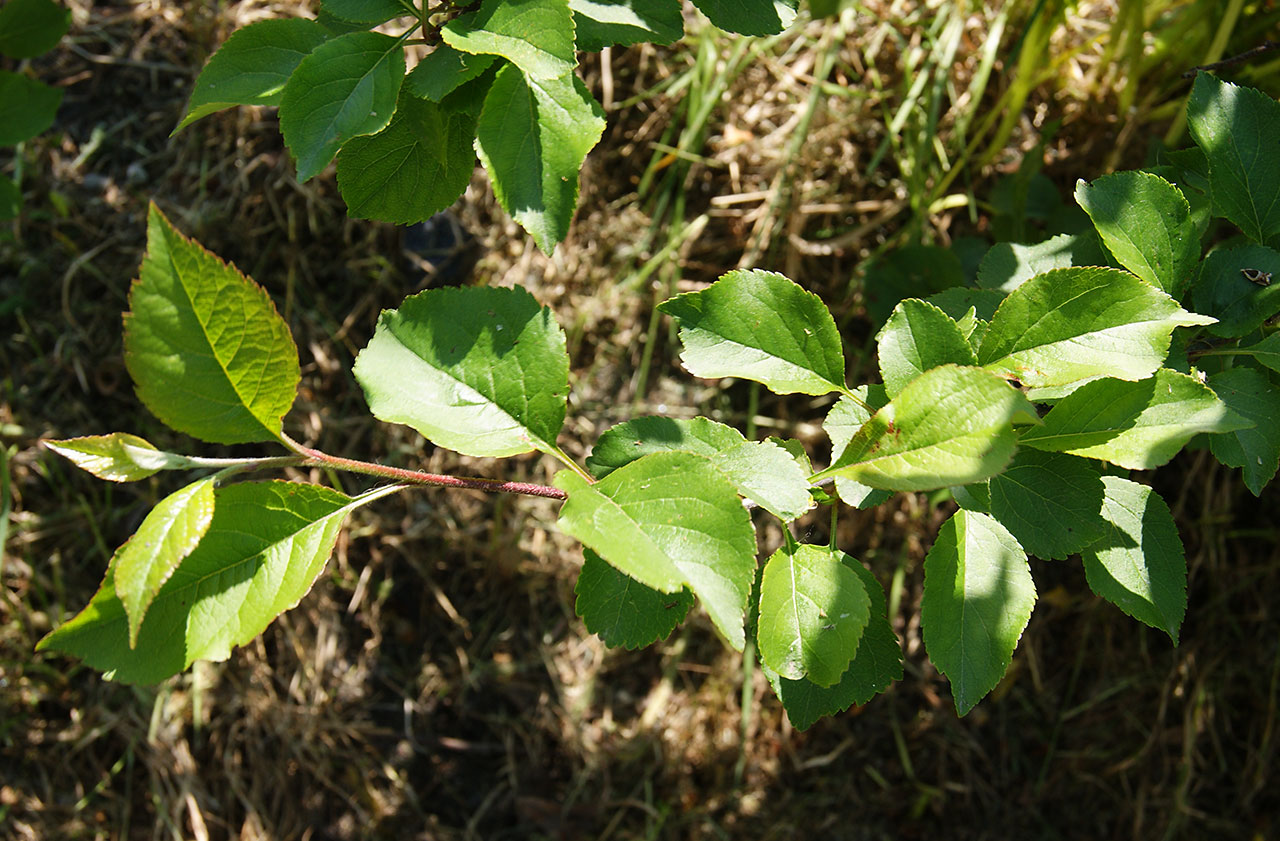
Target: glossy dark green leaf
x=1222 y=290
x=1256 y=450
x=414 y=168
x=749 y=17
x=1266 y=351
x=29 y=28
x=370 y=12
x=607 y=23
x=252 y=66
x=622 y=611
x=208 y=353
x=1139 y=565
x=27 y=107
x=978 y=597
x=1049 y=502
x=444 y=70
x=760 y=326
x=479 y=370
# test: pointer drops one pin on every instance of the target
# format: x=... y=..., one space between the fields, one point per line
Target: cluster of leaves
x=498 y=82
x=28 y=28
x=1029 y=395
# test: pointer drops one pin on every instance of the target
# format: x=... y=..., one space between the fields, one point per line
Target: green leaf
x=917 y=271
x=1139 y=564
x=252 y=67
x=345 y=88
x=749 y=17
x=1237 y=127
x=622 y=611
x=1222 y=291
x=1139 y=425
x=917 y=337
x=761 y=471
x=813 y=610
x=1249 y=393
x=844 y=420
x=669 y=520
x=607 y=23
x=1049 y=502
x=169 y=534
x=760 y=326
x=950 y=426
x=31 y=27
x=978 y=596
x=265 y=547
x=959 y=300
x=534 y=35
x=1008 y=265
x=10 y=199
x=414 y=168
x=1146 y=223
x=118 y=457
x=1066 y=327
x=208 y=353
x=479 y=370
x=532 y=138
x=371 y=12
x=27 y=107
x=1266 y=351
x=878 y=663
x=444 y=70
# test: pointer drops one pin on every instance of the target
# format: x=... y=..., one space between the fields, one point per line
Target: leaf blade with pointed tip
x=978 y=597
x=534 y=35
x=118 y=457
x=208 y=353
x=532 y=137
x=1069 y=326
x=344 y=88
x=813 y=610
x=1139 y=425
x=918 y=336
x=253 y=66
x=622 y=611
x=266 y=545
x=949 y=426
x=1146 y=224
x=608 y=23
x=749 y=17
x=480 y=370
x=1139 y=565
x=760 y=326
x=669 y=520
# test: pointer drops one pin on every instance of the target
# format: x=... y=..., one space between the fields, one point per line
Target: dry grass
x=436 y=683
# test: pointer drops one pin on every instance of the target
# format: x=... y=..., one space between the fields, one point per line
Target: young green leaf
x=169 y=534
x=534 y=35
x=208 y=353
x=607 y=23
x=1066 y=327
x=27 y=107
x=749 y=17
x=622 y=611
x=479 y=370
x=978 y=596
x=669 y=520
x=1146 y=223
x=29 y=28
x=877 y=663
x=370 y=12
x=414 y=168
x=345 y=88
x=918 y=336
x=1138 y=425
x=532 y=138
x=265 y=547
x=444 y=70
x=843 y=421
x=760 y=326
x=761 y=471
x=252 y=66
x=1236 y=127
x=1049 y=502
x=1249 y=393
x=1008 y=265
x=118 y=457
x=813 y=610
x=1223 y=291
x=950 y=426
x=1138 y=565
